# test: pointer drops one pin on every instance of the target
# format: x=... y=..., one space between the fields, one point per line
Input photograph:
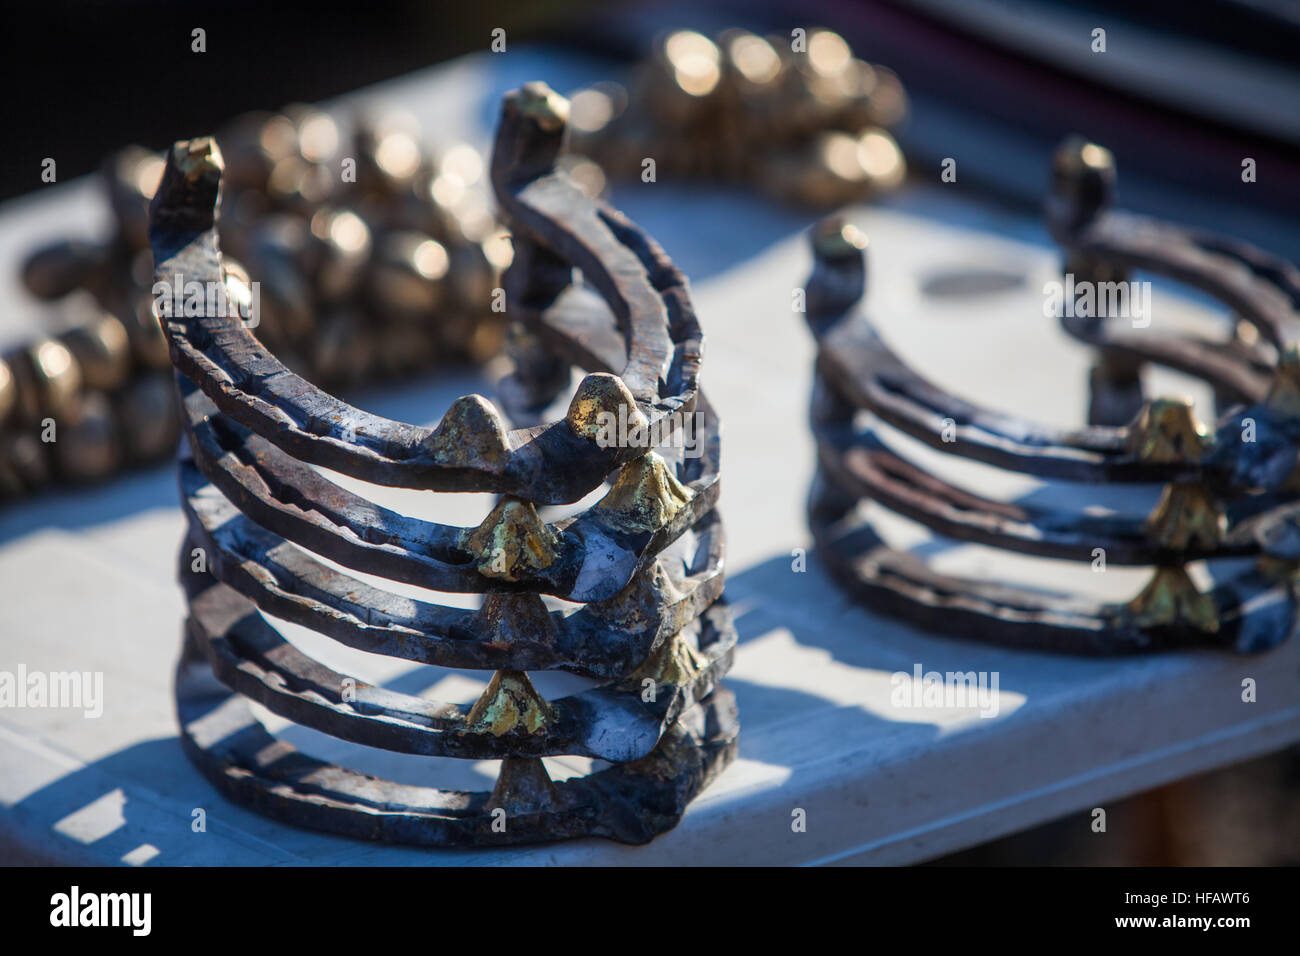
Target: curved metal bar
x=605 y=639
x=867 y=374
x=861 y=368
x=631 y=803
x=596 y=553
x=1234 y=375
x=1126 y=241
x=858 y=364
x=1255 y=612
x=864 y=467
x=1271 y=268
x=613 y=722
x=1256 y=286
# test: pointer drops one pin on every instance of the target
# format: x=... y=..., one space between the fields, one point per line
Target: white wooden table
x=86 y=579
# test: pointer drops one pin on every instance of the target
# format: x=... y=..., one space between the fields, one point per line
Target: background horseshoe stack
x=1229 y=492
x=642 y=566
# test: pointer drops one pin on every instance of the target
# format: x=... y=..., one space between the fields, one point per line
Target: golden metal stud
x=509 y=703
x=511 y=540
x=1166 y=430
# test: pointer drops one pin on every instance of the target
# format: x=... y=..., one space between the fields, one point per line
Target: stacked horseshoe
x=644 y=564
x=1227 y=493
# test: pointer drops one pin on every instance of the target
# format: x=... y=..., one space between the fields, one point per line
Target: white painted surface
x=86 y=583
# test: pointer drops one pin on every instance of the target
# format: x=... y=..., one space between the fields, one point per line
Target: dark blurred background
x=124 y=72
x=85 y=77
x=1183 y=93
x=1211 y=82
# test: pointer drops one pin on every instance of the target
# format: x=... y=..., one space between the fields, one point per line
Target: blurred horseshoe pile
x=799 y=117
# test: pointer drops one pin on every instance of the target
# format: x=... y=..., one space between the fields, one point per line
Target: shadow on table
x=811 y=616
x=101 y=809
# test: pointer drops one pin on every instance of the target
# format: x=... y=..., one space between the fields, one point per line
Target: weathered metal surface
x=631 y=803
x=863 y=465
x=645 y=560
x=597 y=639
x=1224 y=495
x=610 y=722
x=1256 y=609
x=593 y=555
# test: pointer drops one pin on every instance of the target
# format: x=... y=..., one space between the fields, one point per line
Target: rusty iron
x=1223 y=496
x=642 y=568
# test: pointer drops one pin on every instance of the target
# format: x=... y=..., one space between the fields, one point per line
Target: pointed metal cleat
x=674 y=662
x=603 y=410
x=523 y=786
x=511 y=540
x=1170 y=599
x=1186 y=516
x=646 y=495
x=1167 y=431
x=509 y=620
x=472 y=432
x=510 y=704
